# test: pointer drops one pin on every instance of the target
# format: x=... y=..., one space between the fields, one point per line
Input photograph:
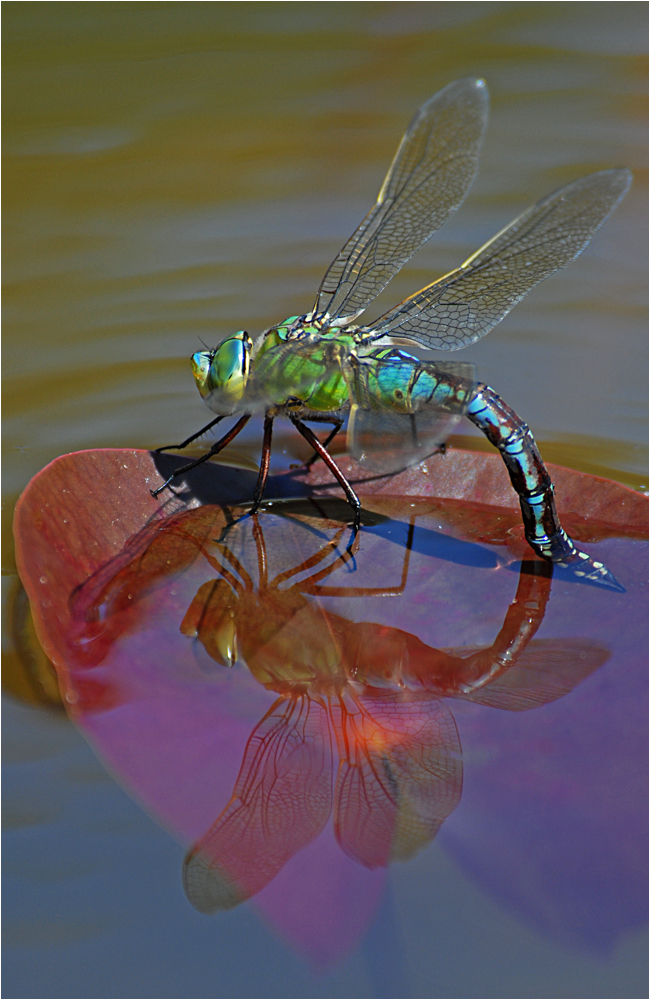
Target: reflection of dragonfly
x=364 y=693
x=318 y=366
x=371 y=692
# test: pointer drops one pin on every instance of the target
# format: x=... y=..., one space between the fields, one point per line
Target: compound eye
x=230 y=362
x=221 y=375
x=201 y=364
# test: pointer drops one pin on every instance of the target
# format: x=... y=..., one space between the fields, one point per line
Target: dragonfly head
x=222 y=375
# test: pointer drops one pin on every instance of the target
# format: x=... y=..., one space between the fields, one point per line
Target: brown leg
x=330 y=437
x=184 y=444
x=352 y=498
x=264 y=463
x=214 y=450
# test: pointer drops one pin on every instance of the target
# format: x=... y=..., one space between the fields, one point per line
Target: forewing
x=432 y=171
x=400 y=776
x=464 y=305
x=387 y=440
x=281 y=802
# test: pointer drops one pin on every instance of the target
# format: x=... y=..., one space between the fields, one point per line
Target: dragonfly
x=325 y=367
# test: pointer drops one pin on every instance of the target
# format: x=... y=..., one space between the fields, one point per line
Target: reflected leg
x=315 y=588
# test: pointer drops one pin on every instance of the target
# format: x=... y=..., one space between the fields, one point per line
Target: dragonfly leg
x=529 y=477
x=338 y=423
x=184 y=444
x=321 y=451
x=214 y=450
x=264 y=463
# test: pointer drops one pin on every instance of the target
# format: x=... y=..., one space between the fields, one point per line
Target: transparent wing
x=388 y=442
x=433 y=169
x=281 y=802
x=386 y=439
x=399 y=778
x=464 y=305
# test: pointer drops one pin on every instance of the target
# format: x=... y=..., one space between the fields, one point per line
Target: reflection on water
x=246 y=679
x=359 y=730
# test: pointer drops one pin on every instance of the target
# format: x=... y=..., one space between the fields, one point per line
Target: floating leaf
x=227 y=669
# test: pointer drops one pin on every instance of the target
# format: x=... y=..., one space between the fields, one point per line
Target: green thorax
x=300 y=359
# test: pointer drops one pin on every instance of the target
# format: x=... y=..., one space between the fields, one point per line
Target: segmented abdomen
x=407 y=384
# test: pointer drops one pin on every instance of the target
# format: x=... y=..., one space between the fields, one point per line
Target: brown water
x=175 y=172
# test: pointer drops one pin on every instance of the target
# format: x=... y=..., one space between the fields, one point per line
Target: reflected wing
x=387 y=434
x=464 y=305
x=109 y=601
x=400 y=776
x=433 y=169
x=280 y=803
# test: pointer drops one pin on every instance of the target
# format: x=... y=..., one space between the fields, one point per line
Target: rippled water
x=174 y=172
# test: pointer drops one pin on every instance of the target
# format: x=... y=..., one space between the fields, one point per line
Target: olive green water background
x=174 y=172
